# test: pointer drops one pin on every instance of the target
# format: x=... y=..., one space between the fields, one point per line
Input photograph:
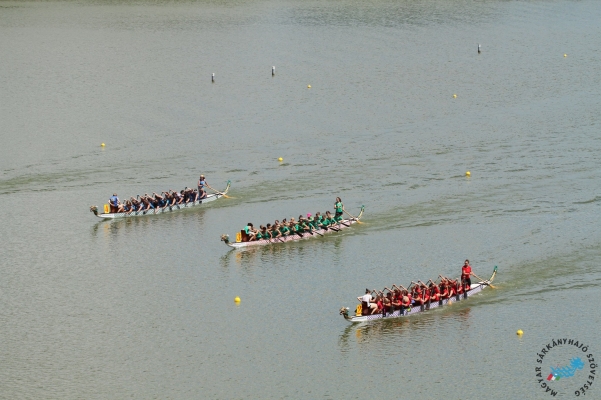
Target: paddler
x=284 y=228
x=387 y=303
x=201 y=184
x=444 y=290
x=367 y=304
x=251 y=232
x=405 y=301
x=417 y=295
x=434 y=292
x=339 y=207
x=115 y=204
x=466 y=273
x=396 y=300
x=261 y=234
x=273 y=231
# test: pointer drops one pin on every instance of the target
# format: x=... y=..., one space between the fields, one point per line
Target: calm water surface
x=144 y=308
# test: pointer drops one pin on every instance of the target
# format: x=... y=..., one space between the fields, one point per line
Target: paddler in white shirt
x=367 y=304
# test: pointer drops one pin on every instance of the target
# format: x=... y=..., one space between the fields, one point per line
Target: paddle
x=359 y=222
x=484 y=281
x=218 y=192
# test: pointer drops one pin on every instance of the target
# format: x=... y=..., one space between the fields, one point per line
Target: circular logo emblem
x=565 y=367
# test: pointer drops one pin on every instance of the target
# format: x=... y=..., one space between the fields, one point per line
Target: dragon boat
x=168 y=209
x=475 y=288
x=242 y=238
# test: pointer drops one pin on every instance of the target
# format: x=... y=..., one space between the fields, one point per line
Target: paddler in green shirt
x=318 y=219
x=310 y=221
x=326 y=221
x=273 y=231
x=284 y=228
x=251 y=231
x=306 y=226
x=293 y=226
x=263 y=234
x=339 y=208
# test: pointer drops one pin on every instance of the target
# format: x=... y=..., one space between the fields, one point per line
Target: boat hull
x=209 y=198
x=475 y=288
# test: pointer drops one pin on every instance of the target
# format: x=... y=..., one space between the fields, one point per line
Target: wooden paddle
x=218 y=192
x=359 y=222
x=484 y=281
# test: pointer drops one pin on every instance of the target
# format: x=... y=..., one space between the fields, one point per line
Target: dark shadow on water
x=130 y=226
x=386 y=330
x=278 y=253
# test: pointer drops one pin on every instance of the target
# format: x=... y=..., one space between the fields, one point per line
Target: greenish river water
x=143 y=308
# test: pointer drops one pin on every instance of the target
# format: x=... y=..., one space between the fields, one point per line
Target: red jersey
x=466 y=270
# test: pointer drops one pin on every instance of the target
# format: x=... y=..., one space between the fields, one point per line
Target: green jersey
x=338 y=207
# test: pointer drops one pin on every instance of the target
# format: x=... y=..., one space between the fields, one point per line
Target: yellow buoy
x=280 y=159
x=309 y=86
x=237 y=299
x=454 y=96
x=468 y=173
x=102 y=145
x=520 y=332
x=565 y=55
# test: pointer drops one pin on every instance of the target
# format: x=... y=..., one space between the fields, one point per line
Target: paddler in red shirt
x=425 y=292
x=380 y=304
x=466 y=272
x=444 y=290
x=434 y=292
x=396 y=300
x=452 y=287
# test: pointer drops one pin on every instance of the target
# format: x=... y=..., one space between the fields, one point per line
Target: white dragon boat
x=240 y=243
x=168 y=209
x=474 y=289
